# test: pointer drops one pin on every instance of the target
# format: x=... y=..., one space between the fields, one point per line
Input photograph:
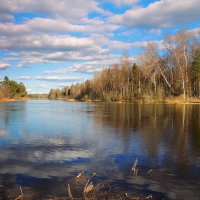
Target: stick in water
x=134 y=169
x=69 y=192
x=21 y=195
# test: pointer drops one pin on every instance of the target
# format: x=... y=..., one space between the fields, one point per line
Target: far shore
x=167 y=101
x=14 y=99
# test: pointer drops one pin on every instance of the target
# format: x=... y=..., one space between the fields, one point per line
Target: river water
x=44 y=144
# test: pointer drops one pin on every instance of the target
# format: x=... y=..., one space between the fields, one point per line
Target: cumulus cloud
x=163 y=13
x=29 y=58
x=51 y=78
x=4 y=66
x=33 y=49
x=46 y=42
x=72 y=10
x=120 y=3
x=35 y=44
x=110 y=43
x=88 y=67
x=57 y=26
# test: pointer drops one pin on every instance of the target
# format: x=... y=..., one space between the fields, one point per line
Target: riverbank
x=165 y=101
x=14 y=99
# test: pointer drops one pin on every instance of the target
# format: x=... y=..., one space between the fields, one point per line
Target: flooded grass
x=86 y=186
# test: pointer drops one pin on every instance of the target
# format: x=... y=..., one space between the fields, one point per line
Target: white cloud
x=72 y=10
x=52 y=78
x=120 y=3
x=163 y=13
x=4 y=66
x=46 y=42
x=50 y=39
x=43 y=40
x=44 y=48
x=144 y=44
x=195 y=31
x=31 y=57
x=111 y=44
x=155 y=31
x=59 y=26
x=89 y=67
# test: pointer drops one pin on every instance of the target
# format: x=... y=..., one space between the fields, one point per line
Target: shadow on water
x=45 y=144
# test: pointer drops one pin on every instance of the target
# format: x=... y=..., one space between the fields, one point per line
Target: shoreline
x=168 y=101
x=14 y=99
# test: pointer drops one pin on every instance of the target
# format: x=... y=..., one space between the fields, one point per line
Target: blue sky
x=52 y=43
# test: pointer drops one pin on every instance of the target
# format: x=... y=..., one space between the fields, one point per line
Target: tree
x=160 y=73
x=179 y=48
x=195 y=68
x=12 y=89
x=6 y=80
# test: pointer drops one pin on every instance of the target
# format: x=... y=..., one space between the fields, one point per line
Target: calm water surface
x=45 y=143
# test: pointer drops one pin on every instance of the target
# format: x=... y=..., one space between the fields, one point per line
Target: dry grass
x=89 y=187
x=172 y=100
x=14 y=99
x=180 y=100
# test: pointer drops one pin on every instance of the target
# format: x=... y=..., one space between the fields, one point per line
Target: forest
x=165 y=70
x=11 y=89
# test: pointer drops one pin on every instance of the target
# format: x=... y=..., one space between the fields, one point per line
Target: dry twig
x=134 y=169
x=149 y=197
x=150 y=171
x=79 y=178
x=69 y=192
x=21 y=195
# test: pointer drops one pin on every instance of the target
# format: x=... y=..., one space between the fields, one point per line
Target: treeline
x=38 y=96
x=11 y=89
x=163 y=71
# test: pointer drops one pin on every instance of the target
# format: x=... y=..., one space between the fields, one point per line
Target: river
x=45 y=144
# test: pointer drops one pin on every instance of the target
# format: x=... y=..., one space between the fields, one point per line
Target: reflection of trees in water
x=162 y=129
x=195 y=128
x=183 y=135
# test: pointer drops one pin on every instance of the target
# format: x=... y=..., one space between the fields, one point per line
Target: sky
x=54 y=43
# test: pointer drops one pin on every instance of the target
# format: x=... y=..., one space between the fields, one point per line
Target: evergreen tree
x=12 y=89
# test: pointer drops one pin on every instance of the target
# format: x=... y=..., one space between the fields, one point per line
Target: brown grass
x=180 y=100
x=172 y=100
x=14 y=99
